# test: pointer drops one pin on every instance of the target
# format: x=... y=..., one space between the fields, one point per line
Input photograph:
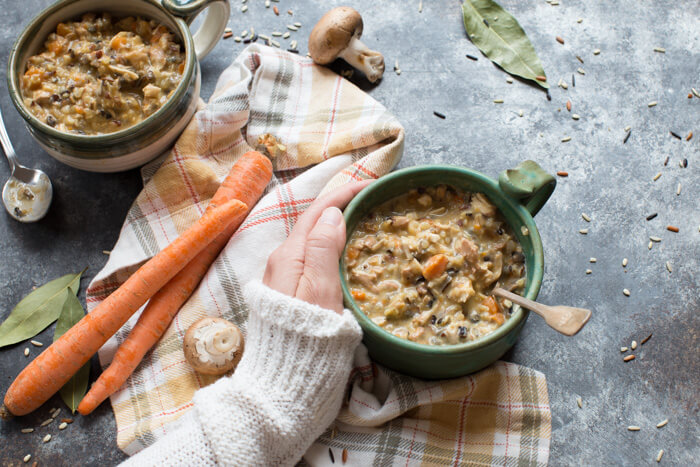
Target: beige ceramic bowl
x=138 y=144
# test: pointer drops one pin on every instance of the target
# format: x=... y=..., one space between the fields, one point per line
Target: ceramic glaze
x=518 y=195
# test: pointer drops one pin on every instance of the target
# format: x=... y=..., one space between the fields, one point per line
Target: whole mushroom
x=337 y=34
x=213 y=346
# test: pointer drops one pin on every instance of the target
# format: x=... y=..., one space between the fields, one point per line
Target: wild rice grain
x=579 y=58
x=472 y=57
x=438 y=114
x=627 y=136
x=628 y=358
x=666 y=161
x=633 y=428
x=626 y=292
x=662 y=423
x=330 y=454
x=646 y=339
x=585 y=217
x=651 y=216
x=675 y=135
x=659 y=455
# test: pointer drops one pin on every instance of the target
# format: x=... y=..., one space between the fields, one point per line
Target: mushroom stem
x=370 y=62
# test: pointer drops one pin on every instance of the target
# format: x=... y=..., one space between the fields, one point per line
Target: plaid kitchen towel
x=332 y=133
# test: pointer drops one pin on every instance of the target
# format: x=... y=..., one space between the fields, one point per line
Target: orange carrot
x=47 y=373
x=246 y=182
x=490 y=303
x=435 y=266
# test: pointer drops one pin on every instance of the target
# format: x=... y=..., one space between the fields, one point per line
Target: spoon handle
x=7 y=145
x=522 y=301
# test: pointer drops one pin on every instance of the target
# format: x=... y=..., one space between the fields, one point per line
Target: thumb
x=320 y=282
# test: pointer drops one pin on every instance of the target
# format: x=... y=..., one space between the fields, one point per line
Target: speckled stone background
x=610 y=181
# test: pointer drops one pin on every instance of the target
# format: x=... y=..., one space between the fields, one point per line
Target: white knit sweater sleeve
x=285 y=392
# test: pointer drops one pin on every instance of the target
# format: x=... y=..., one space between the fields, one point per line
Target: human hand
x=305 y=266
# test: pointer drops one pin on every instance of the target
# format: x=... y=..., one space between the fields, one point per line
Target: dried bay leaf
x=38 y=309
x=503 y=40
x=74 y=390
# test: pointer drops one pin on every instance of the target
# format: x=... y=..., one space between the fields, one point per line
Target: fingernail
x=331 y=216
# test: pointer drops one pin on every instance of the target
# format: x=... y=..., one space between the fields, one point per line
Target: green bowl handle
x=213 y=26
x=529 y=183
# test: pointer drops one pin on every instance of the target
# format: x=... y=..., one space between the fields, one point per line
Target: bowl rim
x=368 y=326
x=33 y=27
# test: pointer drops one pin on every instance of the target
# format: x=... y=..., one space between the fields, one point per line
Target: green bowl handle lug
x=529 y=183
x=211 y=30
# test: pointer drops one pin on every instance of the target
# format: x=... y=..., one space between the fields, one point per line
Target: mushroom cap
x=222 y=363
x=333 y=33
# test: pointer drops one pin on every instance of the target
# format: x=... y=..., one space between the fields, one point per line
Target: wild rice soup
x=100 y=75
x=422 y=266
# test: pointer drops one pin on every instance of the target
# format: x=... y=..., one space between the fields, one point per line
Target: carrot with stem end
x=246 y=182
x=47 y=373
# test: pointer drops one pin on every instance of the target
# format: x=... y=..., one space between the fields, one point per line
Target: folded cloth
x=331 y=133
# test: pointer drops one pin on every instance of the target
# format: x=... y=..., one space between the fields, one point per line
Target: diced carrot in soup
x=435 y=266
x=491 y=304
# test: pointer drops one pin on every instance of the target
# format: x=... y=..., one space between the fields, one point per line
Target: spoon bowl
x=27 y=194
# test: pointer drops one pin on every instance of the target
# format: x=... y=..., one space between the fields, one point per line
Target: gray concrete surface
x=610 y=181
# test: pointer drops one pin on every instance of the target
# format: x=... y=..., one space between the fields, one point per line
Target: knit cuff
x=289 y=384
x=295 y=315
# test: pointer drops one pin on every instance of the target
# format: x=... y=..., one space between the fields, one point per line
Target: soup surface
x=422 y=266
x=100 y=75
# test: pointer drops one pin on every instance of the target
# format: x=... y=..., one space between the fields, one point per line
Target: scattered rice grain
x=580 y=20
x=662 y=423
x=626 y=292
x=244 y=8
x=585 y=217
x=596 y=52
x=46 y=422
x=285 y=35
x=689 y=137
x=498 y=101
x=588 y=271
x=623 y=349
x=26 y=351
x=561 y=173
x=672 y=228
x=657 y=176
x=646 y=339
x=579 y=402
x=633 y=345
x=593 y=260
x=27 y=458
x=62 y=426
x=509 y=80
x=660 y=50
x=276 y=34
x=581 y=71
x=668 y=266
x=651 y=216
x=345 y=456
x=655 y=239
x=678 y=190
x=624 y=262
x=652 y=104
x=576 y=116
x=566 y=139
x=47 y=438
x=659 y=455
x=628 y=358
x=27 y=430
x=524 y=230
x=650 y=245
x=583 y=231
x=633 y=428
x=238 y=39
x=297 y=24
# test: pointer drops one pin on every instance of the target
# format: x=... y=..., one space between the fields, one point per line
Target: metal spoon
x=565 y=319
x=28 y=192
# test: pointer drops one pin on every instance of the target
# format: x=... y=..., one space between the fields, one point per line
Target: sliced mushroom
x=213 y=346
x=337 y=34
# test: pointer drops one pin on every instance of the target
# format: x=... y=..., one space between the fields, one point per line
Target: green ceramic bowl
x=139 y=143
x=519 y=194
